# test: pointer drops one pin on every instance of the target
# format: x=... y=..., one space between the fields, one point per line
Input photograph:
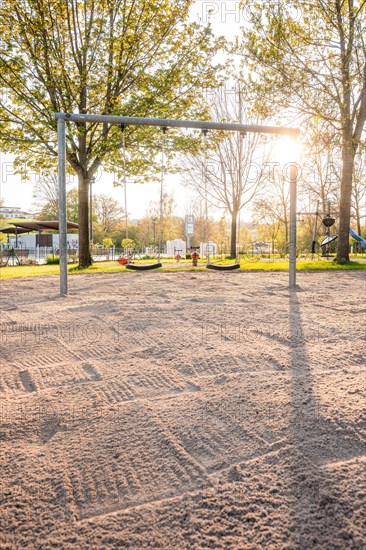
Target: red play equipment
x=195 y=256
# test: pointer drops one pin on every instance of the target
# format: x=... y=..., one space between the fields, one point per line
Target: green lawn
x=38 y=270
x=11 y=272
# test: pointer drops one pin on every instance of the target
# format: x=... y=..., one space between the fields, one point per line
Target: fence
x=39 y=255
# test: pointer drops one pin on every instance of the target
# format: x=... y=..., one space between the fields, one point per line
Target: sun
x=286 y=150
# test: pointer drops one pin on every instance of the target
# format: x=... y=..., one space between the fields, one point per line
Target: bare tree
x=45 y=191
x=204 y=227
x=230 y=171
x=108 y=212
x=272 y=210
x=161 y=224
x=321 y=174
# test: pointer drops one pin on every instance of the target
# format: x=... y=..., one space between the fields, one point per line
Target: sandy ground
x=182 y=410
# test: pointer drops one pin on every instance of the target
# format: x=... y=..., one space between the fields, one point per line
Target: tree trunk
x=348 y=157
x=234 y=217
x=85 y=259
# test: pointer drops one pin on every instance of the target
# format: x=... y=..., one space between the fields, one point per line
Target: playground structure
x=62 y=118
x=358 y=238
x=328 y=220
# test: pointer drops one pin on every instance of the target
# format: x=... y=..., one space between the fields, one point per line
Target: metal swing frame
x=62 y=118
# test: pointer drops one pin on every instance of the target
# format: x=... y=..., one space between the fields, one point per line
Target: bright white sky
x=226 y=19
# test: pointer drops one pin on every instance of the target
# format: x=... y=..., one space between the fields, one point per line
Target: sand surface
x=182 y=410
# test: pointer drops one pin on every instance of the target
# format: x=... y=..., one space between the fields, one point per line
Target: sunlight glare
x=286 y=150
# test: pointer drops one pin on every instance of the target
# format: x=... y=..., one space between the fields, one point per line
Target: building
x=15 y=212
x=22 y=234
x=46 y=240
x=176 y=247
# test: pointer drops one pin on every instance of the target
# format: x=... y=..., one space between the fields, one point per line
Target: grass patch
x=325 y=265
x=98 y=267
x=11 y=272
x=302 y=265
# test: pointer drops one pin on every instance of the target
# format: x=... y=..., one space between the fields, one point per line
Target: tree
x=321 y=175
x=271 y=211
x=109 y=213
x=49 y=210
x=161 y=224
x=245 y=238
x=309 y=58
x=136 y=58
x=220 y=234
x=45 y=192
x=127 y=243
x=227 y=174
x=203 y=229
x=107 y=243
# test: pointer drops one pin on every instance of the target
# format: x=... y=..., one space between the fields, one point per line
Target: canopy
x=14 y=230
x=26 y=227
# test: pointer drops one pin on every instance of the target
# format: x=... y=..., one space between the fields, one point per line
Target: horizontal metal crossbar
x=169 y=123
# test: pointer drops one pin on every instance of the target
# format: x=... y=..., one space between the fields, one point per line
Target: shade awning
x=13 y=231
x=26 y=227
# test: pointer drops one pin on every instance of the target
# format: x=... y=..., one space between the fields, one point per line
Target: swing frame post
x=62 y=118
x=293 y=221
x=61 y=142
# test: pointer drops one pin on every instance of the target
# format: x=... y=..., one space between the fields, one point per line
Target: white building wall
x=29 y=240
x=24 y=240
x=210 y=247
x=172 y=248
x=71 y=238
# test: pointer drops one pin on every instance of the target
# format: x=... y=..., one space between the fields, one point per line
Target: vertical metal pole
x=91 y=210
x=315 y=231
x=207 y=225
x=123 y=127
x=61 y=136
x=125 y=187
x=126 y=218
x=293 y=201
x=161 y=228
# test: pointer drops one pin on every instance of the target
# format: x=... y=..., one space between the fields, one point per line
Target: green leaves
x=138 y=58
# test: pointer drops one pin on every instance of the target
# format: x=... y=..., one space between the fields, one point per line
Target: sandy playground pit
x=183 y=411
